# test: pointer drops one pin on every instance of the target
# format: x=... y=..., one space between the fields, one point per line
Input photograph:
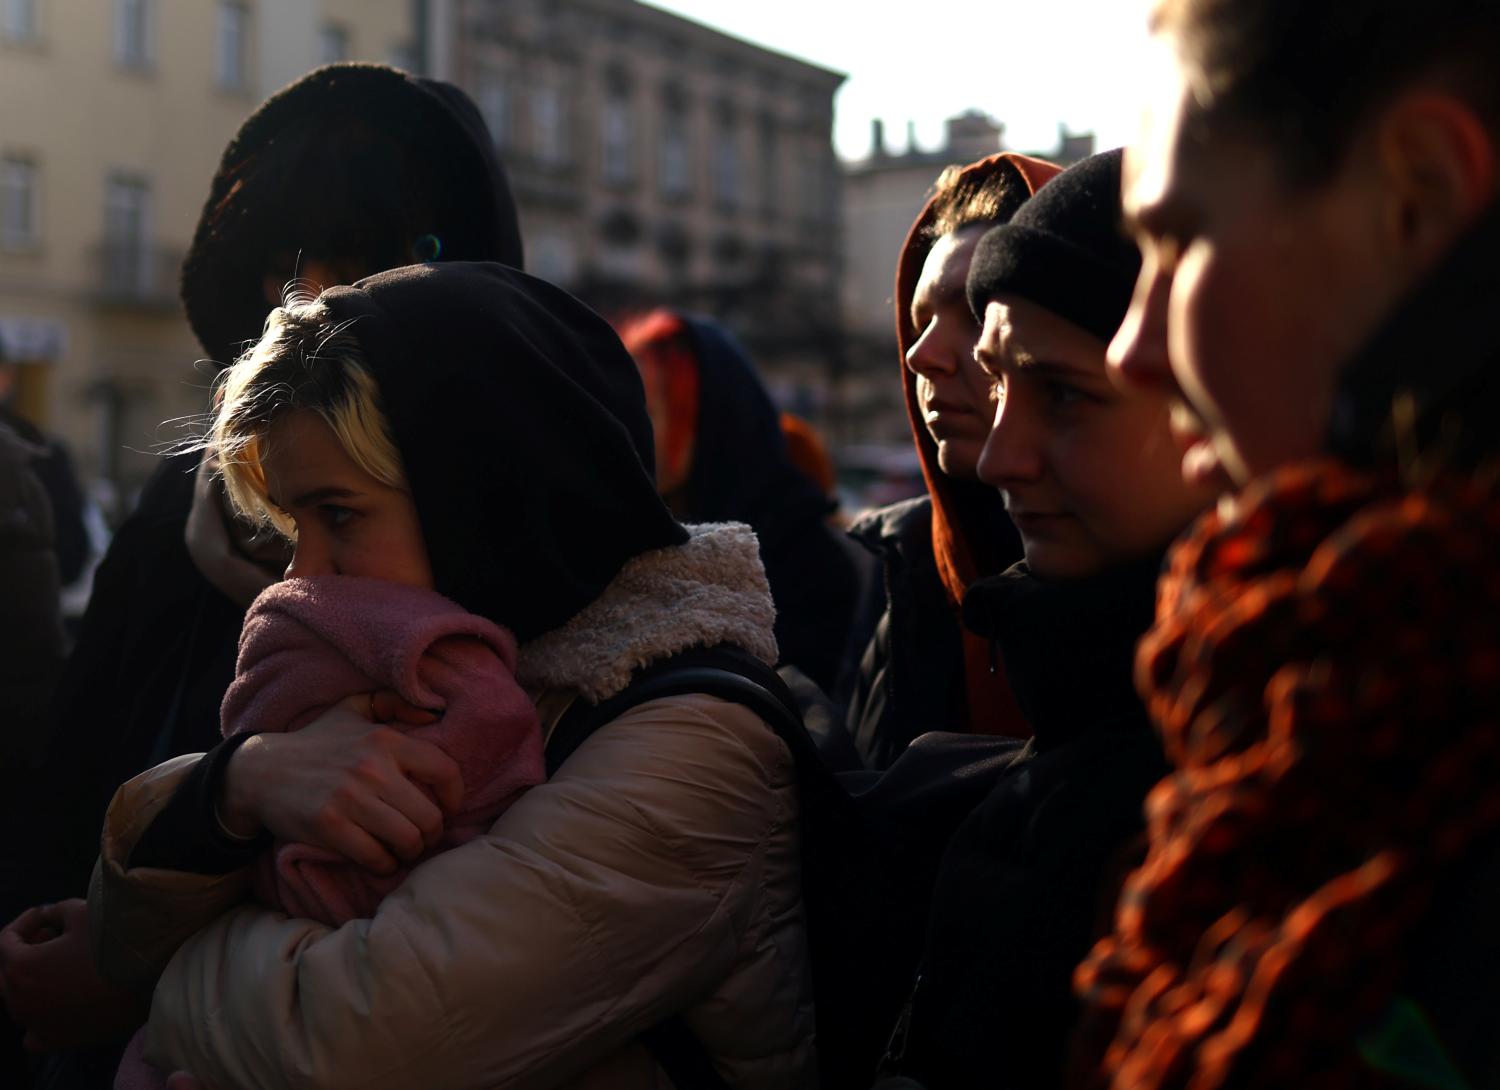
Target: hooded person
x=913 y=668
x=351 y=169
x=1091 y=478
x=655 y=873
x=723 y=456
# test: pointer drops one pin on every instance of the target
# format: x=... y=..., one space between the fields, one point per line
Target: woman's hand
x=51 y=987
x=371 y=793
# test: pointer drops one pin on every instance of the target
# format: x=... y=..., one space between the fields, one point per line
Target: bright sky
x=1031 y=65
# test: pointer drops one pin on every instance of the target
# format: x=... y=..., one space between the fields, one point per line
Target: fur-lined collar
x=708 y=591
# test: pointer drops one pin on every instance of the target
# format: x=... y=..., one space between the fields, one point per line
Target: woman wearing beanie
x=653 y=875
x=1089 y=476
x=910 y=667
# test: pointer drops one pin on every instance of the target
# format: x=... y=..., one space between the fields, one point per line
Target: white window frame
x=129 y=195
x=549 y=125
x=617 y=140
x=231 y=45
x=492 y=94
x=333 y=43
x=20 y=203
x=21 y=22
x=675 y=162
x=135 y=34
x=726 y=165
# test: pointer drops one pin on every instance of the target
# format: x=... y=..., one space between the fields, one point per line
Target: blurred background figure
x=31 y=638
x=722 y=456
x=76 y=526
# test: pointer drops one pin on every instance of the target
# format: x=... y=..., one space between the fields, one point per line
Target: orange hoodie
x=961 y=541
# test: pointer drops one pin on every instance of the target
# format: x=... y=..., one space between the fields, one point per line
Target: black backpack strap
x=728 y=673
x=725 y=671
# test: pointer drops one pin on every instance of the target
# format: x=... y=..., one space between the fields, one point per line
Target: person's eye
x=334 y=516
x=1061 y=395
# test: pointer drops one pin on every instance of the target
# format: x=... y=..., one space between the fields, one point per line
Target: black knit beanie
x=522 y=426
x=1064 y=250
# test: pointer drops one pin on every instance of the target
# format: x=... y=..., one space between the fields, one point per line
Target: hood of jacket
x=741 y=467
x=522 y=427
x=971 y=536
x=1424 y=393
x=965 y=515
x=222 y=278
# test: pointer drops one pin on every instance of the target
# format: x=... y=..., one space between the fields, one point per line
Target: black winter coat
x=904 y=670
x=1027 y=881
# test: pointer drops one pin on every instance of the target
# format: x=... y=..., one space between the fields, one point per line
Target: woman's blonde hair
x=304 y=361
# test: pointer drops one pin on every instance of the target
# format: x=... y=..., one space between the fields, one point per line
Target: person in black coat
x=722 y=457
x=352 y=169
x=1090 y=478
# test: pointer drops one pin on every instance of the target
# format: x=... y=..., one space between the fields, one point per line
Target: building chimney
x=911 y=137
x=877 y=139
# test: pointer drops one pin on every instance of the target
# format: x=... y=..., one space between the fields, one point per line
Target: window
x=617 y=139
x=493 y=97
x=18 y=20
x=127 y=234
x=726 y=161
x=133 y=27
x=333 y=44
x=770 y=175
x=676 y=177
x=233 y=30
x=549 y=125
x=551 y=255
x=19 y=228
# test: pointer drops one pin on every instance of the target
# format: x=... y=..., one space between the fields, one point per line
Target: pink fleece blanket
x=309 y=643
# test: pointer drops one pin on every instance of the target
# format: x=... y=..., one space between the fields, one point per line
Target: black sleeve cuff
x=186 y=835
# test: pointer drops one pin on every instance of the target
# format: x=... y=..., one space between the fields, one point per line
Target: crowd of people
x=491 y=696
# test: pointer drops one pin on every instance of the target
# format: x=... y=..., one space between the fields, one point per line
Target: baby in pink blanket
x=309 y=643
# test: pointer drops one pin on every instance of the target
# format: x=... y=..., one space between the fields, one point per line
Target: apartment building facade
x=658 y=161
x=113 y=115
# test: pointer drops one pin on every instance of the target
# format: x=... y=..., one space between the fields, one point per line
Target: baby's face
x=347 y=522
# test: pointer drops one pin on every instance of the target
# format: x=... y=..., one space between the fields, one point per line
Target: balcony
x=132 y=275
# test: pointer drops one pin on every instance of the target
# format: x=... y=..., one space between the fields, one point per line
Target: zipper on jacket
x=895 y=1048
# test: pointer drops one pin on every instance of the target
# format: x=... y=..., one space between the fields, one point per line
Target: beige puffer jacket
x=657 y=872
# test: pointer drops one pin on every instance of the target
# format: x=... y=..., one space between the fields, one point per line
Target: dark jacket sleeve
x=187 y=834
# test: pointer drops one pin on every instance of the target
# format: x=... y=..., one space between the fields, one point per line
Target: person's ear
x=1438 y=158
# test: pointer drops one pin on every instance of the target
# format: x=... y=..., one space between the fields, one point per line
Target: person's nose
x=309 y=557
x=933 y=353
x=1012 y=453
x=1138 y=354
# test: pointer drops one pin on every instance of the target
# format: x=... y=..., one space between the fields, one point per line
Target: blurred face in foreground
x=953 y=394
x=1087 y=469
x=1255 y=289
